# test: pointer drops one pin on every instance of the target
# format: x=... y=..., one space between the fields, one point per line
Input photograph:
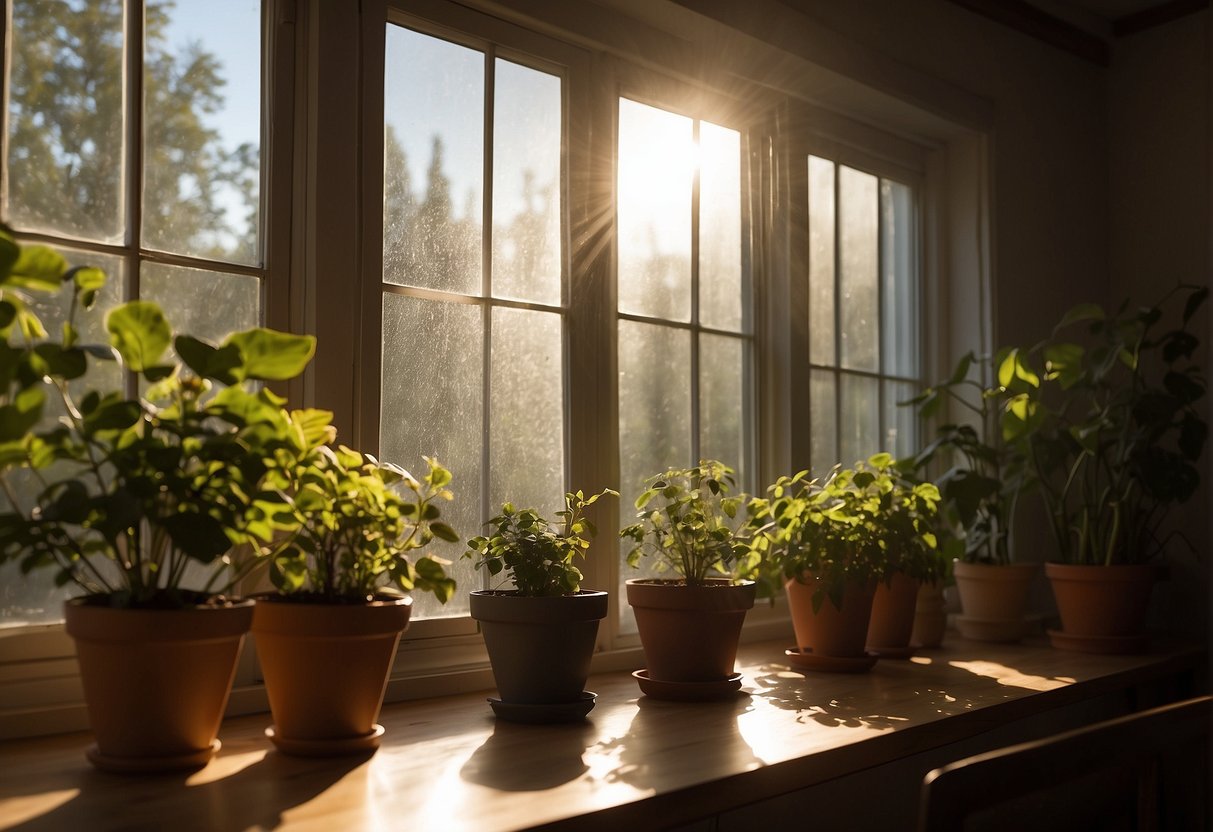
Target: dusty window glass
x=64 y=149
x=655 y=175
x=821 y=260
x=431 y=405
x=208 y=305
x=722 y=297
x=526 y=184
x=433 y=163
x=202 y=129
x=859 y=258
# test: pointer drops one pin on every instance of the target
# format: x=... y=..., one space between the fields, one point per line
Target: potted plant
x=327 y=636
x=540 y=635
x=831 y=544
x=139 y=502
x=688 y=524
x=1121 y=437
x=981 y=488
x=908 y=520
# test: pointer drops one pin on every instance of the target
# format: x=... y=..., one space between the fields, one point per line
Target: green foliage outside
x=537 y=556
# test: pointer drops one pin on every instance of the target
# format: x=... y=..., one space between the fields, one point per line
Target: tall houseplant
x=327 y=637
x=139 y=500
x=689 y=523
x=1121 y=437
x=540 y=635
x=986 y=473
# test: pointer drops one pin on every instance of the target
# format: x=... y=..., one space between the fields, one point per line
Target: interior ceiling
x=1108 y=9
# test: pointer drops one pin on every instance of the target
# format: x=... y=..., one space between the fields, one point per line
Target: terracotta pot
x=156 y=682
x=892 y=619
x=990 y=592
x=326 y=668
x=930 y=620
x=1102 y=600
x=690 y=633
x=540 y=648
x=831 y=631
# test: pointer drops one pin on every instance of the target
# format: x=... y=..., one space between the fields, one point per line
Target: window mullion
x=695 y=404
x=881 y=255
x=133 y=92
x=837 y=312
x=486 y=253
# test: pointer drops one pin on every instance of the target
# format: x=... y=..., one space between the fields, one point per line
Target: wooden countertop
x=447 y=764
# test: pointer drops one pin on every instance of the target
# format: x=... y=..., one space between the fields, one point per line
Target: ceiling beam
x=1034 y=22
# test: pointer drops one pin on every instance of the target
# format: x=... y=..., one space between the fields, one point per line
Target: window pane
x=656 y=165
x=431 y=406
x=33 y=598
x=721 y=298
x=202 y=129
x=858 y=252
x=66 y=123
x=901 y=310
x=821 y=260
x=823 y=411
x=207 y=305
x=526 y=184
x=860 y=418
x=433 y=160
x=654 y=402
x=900 y=432
x=723 y=400
x=526 y=432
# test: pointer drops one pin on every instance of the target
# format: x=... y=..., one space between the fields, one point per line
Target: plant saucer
x=327 y=747
x=803 y=658
x=995 y=630
x=137 y=765
x=903 y=652
x=545 y=713
x=688 y=691
x=1099 y=644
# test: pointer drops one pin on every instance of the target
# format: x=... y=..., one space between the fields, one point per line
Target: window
x=864 y=311
x=685 y=333
x=133 y=141
x=473 y=285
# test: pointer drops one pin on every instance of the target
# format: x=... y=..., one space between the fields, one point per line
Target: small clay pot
x=156 y=682
x=893 y=605
x=994 y=592
x=930 y=619
x=690 y=633
x=540 y=648
x=1102 y=601
x=831 y=631
x=326 y=668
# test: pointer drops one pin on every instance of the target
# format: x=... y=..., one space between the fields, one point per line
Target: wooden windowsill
x=446 y=764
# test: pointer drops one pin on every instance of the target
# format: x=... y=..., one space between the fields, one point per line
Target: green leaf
x=444 y=532
x=9 y=252
x=1194 y=302
x=199 y=535
x=140 y=333
x=1082 y=312
x=206 y=361
x=38 y=268
x=269 y=355
x=87 y=278
x=962 y=369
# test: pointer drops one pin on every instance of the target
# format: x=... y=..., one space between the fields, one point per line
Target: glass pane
x=526 y=184
x=65 y=118
x=859 y=418
x=900 y=424
x=431 y=406
x=202 y=129
x=654 y=417
x=722 y=304
x=526 y=434
x=900 y=337
x=723 y=399
x=821 y=261
x=33 y=598
x=859 y=264
x=656 y=167
x=207 y=305
x=433 y=163
x=823 y=420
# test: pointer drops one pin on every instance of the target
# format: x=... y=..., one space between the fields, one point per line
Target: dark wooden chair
x=1145 y=771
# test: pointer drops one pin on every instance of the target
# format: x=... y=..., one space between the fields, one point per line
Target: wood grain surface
x=446 y=764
